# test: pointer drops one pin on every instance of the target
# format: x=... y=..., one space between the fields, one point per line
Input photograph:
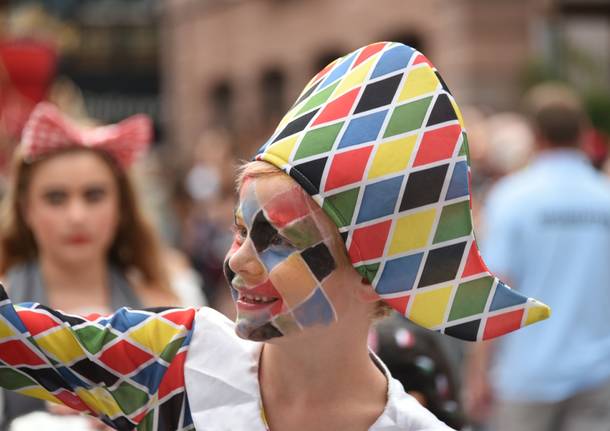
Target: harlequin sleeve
x=126 y=368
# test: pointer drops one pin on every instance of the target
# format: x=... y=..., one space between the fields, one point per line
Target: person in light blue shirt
x=548 y=234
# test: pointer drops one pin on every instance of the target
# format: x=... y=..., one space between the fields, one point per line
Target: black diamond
x=262 y=232
x=296 y=126
x=423 y=187
x=378 y=93
x=309 y=174
x=93 y=372
x=169 y=412
x=442 y=111
x=442 y=264
x=48 y=378
x=123 y=424
x=319 y=260
x=71 y=320
x=465 y=331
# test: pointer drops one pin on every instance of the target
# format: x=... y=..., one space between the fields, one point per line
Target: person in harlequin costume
x=358 y=201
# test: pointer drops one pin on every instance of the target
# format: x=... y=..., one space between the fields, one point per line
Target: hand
x=93 y=423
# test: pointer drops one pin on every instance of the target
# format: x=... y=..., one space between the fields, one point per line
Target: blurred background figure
x=422 y=364
x=548 y=234
x=71 y=218
x=206 y=204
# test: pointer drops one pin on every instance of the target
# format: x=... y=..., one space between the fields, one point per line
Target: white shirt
x=221 y=375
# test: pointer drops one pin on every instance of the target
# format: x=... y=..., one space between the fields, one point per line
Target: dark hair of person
x=556 y=114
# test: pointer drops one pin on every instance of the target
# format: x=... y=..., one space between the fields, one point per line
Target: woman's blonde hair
x=135 y=245
x=257 y=169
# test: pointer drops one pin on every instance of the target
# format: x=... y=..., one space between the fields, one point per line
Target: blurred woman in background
x=71 y=219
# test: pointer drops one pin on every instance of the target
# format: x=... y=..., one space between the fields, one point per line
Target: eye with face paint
x=280 y=260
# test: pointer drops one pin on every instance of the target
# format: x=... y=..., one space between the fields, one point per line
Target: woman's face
x=285 y=261
x=72 y=207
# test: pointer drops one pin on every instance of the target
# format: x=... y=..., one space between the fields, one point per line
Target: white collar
x=221 y=377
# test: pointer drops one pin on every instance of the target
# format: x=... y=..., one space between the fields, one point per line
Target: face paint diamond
x=262 y=232
x=317 y=310
x=320 y=261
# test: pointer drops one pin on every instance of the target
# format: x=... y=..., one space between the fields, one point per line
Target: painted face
x=281 y=260
x=72 y=207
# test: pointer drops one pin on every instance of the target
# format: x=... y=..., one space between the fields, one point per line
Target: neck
x=319 y=367
x=66 y=276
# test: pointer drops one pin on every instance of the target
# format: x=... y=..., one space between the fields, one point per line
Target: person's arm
x=478 y=394
x=126 y=368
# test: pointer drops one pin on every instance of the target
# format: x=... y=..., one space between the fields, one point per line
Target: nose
x=244 y=261
x=77 y=210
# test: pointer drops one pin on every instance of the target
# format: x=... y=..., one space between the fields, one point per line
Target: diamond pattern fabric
x=378 y=141
x=126 y=369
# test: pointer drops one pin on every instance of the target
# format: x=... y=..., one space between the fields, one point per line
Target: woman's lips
x=78 y=239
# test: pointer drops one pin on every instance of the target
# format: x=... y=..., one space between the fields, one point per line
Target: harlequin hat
x=378 y=141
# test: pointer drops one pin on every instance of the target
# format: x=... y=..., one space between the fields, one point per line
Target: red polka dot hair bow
x=49 y=130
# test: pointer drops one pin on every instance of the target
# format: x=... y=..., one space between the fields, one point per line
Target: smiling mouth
x=256 y=299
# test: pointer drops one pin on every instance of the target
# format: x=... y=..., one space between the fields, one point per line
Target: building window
x=222 y=105
x=273 y=97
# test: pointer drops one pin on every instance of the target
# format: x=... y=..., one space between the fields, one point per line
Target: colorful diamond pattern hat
x=378 y=141
x=127 y=369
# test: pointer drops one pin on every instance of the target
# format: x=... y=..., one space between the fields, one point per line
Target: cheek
x=103 y=220
x=46 y=222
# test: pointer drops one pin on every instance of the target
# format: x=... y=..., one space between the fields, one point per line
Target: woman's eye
x=55 y=197
x=94 y=195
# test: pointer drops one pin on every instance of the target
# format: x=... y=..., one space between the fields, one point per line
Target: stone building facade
x=238 y=64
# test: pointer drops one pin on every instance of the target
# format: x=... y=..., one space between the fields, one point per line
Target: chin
x=256 y=332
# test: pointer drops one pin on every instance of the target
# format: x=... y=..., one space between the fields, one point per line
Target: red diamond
x=37 y=322
x=502 y=324
x=347 y=168
x=181 y=317
x=369 y=242
x=474 y=263
x=422 y=59
x=124 y=357
x=399 y=304
x=338 y=108
x=16 y=352
x=368 y=52
x=72 y=401
x=437 y=145
x=174 y=376
x=288 y=206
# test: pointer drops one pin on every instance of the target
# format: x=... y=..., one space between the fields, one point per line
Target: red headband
x=48 y=130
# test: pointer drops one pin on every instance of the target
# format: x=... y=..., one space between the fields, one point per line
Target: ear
x=365 y=291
